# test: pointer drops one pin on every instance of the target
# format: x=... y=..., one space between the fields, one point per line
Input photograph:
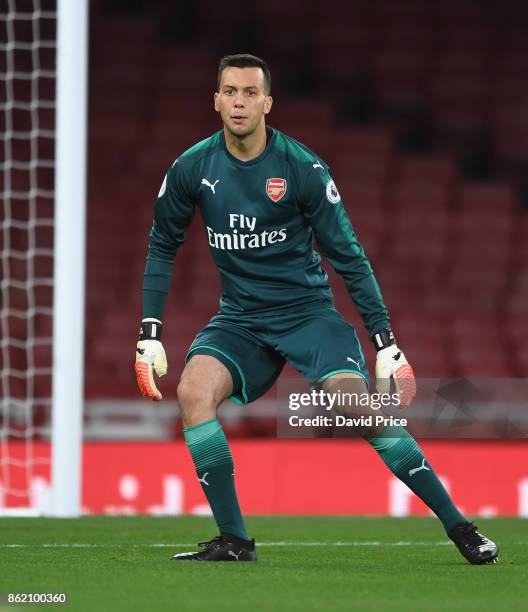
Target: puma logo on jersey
x=208 y=184
x=318 y=165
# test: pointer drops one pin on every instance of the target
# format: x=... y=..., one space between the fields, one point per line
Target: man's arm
x=173 y=213
x=174 y=210
x=338 y=243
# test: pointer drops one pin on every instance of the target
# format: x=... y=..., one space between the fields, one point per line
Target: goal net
x=28 y=218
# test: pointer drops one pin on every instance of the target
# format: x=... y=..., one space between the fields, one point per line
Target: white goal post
x=69 y=269
x=43 y=44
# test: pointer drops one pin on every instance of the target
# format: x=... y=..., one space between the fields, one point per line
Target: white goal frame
x=62 y=496
x=70 y=254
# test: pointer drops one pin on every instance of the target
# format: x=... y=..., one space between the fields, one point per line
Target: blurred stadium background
x=421 y=110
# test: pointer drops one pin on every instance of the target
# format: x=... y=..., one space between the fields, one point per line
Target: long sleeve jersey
x=261 y=217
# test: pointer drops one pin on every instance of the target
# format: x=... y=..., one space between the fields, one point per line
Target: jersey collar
x=271 y=134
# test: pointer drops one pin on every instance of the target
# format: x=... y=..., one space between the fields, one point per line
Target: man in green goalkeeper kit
x=263 y=198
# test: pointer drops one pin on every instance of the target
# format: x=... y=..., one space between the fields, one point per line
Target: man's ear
x=267 y=104
x=217 y=108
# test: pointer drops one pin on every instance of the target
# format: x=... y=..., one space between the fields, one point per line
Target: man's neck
x=247 y=147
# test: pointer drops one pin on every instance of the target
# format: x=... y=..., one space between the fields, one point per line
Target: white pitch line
x=193 y=545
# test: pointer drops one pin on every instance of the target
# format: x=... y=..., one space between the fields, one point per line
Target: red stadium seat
x=363 y=154
x=360 y=195
x=460 y=102
x=399 y=75
x=305 y=113
x=418 y=217
x=418 y=195
x=429 y=361
x=364 y=140
x=475 y=361
x=496 y=227
x=489 y=198
x=474 y=250
x=431 y=170
x=511 y=128
x=521 y=360
x=414 y=250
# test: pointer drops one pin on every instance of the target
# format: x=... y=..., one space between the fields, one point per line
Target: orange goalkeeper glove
x=150 y=358
x=390 y=361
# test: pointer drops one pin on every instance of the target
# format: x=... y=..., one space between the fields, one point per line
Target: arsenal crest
x=276 y=188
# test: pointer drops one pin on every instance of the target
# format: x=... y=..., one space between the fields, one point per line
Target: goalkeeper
x=263 y=198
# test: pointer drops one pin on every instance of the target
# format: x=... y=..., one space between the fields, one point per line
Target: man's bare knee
x=354 y=401
x=204 y=384
x=352 y=393
x=190 y=393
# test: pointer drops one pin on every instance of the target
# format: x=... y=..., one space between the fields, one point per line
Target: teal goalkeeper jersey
x=260 y=219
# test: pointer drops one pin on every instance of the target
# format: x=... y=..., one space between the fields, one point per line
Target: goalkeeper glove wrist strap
x=383 y=339
x=150 y=329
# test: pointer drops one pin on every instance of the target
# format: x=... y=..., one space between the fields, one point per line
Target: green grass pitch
x=305 y=563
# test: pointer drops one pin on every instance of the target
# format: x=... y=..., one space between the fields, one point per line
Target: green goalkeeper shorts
x=314 y=339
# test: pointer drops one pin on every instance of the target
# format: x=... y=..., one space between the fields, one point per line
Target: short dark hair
x=245 y=60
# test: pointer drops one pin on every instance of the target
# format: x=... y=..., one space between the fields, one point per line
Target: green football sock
x=214 y=466
x=404 y=458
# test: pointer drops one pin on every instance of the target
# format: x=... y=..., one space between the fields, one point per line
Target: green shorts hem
x=236 y=400
x=325 y=376
x=210 y=347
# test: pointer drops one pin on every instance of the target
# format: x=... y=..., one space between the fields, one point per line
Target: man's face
x=242 y=99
